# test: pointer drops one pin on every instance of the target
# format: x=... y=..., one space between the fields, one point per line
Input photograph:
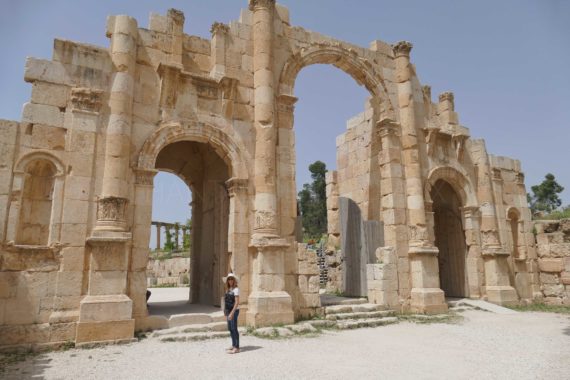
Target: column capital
x=448 y=95
x=402 y=49
x=255 y=5
x=387 y=127
x=86 y=99
x=236 y=185
x=145 y=176
x=219 y=27
x=111 y=213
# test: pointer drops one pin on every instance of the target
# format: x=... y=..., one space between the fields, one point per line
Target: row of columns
x=170 y=226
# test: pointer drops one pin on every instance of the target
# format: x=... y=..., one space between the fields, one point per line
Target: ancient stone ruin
x=418 y=210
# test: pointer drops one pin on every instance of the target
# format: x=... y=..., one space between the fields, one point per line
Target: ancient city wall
x=174 y=271
x=553 y=247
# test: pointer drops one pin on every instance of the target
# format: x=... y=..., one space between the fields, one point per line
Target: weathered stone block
x=553 y=290
x=42 y=114
x=551 y=265
x=548 y=278
x=50 y=94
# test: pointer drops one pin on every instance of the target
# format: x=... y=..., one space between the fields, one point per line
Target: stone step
x=322 y=323
x=356 y=308
x=361 y=315
x=370 y=322
x=331 y=300
x=189 y=319
x=198 y=327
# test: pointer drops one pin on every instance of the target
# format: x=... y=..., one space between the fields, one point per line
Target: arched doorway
x=205 y=173
x=449 y=239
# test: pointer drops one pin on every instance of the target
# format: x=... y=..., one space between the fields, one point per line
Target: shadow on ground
x=23 y=366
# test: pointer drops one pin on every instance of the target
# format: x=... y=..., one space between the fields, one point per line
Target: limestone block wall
x=553 y=247
x=175 y=271
x=382 y=278
x=307 y=298
x=358 y=173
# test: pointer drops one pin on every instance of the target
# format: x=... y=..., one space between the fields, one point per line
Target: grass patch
x=543 y=308
x=422 y=319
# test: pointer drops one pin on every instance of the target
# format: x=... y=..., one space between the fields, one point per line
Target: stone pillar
x=238 y=232
x=264 y=119
x=112 y=206
x=393 y=201
x=158 y=230
x=497 y=281
x=218 y=49
x=474 y=264
x=268 y=302
x=106 y=312
x=426 y=296
x=333 y=213
x=142 y=210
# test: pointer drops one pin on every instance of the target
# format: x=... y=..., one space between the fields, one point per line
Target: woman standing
x=231 y=310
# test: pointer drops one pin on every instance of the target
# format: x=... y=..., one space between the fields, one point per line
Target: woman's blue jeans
x=233 y=328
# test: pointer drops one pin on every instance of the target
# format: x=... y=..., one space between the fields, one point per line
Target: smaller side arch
x=172 y=132
x=458 y=181
x=24 y=161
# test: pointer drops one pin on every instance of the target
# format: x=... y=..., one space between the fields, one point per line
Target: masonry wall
x=553 y=247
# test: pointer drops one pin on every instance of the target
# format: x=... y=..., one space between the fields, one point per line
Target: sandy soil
x=483 y=346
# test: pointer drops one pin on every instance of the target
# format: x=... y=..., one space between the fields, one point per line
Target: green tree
x=313 y=202
x=187 y=243
x=169 y=244
x=545 y=196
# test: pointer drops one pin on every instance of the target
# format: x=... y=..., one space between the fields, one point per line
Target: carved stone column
x=264 y=119
x=497 y=280
x=474 y=262
x=238 y=232
x=269 y=303
x=426 y=296
x=112 y=205
x=218 y=49
x=393 y=202
x=106 y=313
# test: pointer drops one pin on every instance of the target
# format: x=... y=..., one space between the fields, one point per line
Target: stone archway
x=449 y=239
x=458 y=201
x=345 y=59
x=228 y=192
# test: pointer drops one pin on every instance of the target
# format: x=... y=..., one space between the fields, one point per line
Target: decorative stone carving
x=261 y=4
x=286 y=103
x=169 y=74
x=402 y=49
x=496 y=173
x=431 y=139
x=236 y=185
x=86 y=99
x=111 y=209
x=145 y=177
x=265 y=220
x=176 y=15
x=219 y=27
x=387 y=127
x=459 y=144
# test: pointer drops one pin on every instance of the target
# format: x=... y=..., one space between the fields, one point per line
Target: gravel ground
x=482 y=346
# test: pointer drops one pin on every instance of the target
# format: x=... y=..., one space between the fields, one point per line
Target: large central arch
x=347 y=60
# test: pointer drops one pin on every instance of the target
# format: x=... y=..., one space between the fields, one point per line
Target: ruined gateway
x=77 y=180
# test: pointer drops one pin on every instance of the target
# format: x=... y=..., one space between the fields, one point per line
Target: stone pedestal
x=268 y=302
x=499 y=290
x=105 y=315
x=105 y=319
x=426 y=296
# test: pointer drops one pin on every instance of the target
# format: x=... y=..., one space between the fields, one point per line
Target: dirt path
x=483 y=346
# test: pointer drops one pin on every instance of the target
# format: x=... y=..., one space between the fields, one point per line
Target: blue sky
x=506 y=61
